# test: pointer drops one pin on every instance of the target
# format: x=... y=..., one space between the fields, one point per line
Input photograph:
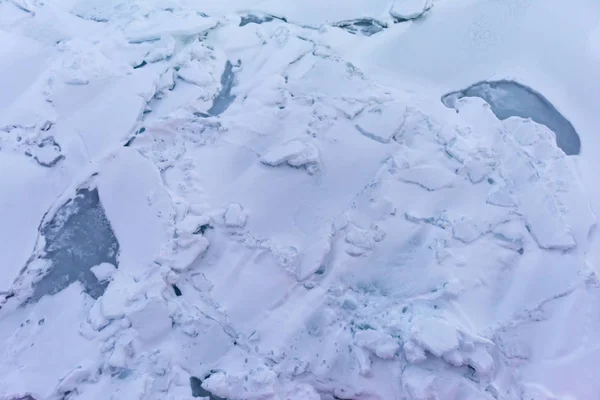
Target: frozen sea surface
x=512 y=99
x=77 y=238
x=299 y=217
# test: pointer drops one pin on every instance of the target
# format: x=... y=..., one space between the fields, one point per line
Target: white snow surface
x=311 y=224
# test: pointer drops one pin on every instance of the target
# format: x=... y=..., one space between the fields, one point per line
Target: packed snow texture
x=262 y=200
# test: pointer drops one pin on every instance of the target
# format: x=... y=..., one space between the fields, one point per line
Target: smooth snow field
x=299 y=200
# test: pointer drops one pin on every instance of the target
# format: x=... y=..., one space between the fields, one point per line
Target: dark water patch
x=259 y=19
x=199 y=391
x=255 y=19
x=78 y=237
x=512 y=99
x=399 y=19
x=224 y=98
x=92 y=18
x=177 y=290
x=140 y=65
x=365 y=26
x=130 y=141
x=201 y=229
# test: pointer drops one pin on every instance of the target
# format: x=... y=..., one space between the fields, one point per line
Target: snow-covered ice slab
x=256 y=18
x=406 y=10
x=512 y=99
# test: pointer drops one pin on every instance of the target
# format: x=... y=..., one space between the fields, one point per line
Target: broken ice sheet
x=77 y=238
x=381 y=123
x=349 y=162
x=429 y=177
x=365 y=26
x=161 y=24
x=513 y=99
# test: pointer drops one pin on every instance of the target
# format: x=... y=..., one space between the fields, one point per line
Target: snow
x=261 y=199
x=295 y=153
x=103 y=271
x=134 y=200
x=16 y=191
x=410 y=9
x=381 y=344
x=235 y=216
x=152 y=321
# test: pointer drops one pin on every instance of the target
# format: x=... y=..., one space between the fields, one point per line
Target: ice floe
x=265 y=200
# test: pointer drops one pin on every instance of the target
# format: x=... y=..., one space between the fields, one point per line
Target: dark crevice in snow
x=200 y=230
x=366 y=26
x=51 y=163
x=200 y=114
x=224 y=99
x=23 y=7
x=47 y=153
x=140 y=65
x=512 y=99
x=199 y=391
x=177 y=290
x=399 y=19
x=90 y=18
x=77 y=238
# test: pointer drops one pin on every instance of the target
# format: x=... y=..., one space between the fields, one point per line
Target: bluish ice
x=77 y=238
x=199 y=391
x=224 y=98
x=512 y=99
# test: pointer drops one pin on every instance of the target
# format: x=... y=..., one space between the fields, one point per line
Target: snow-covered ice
x=404 y=10
x=266 y=199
